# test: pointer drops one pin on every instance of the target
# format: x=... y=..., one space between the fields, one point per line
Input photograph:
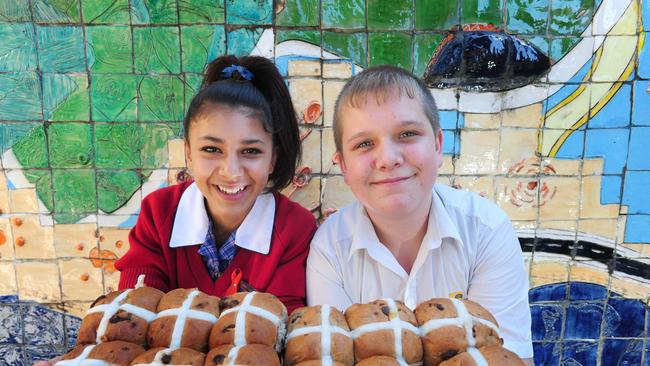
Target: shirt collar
x=439 y=226
x=191 y=222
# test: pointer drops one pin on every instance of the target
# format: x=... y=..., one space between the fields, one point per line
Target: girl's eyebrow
x=220 y=140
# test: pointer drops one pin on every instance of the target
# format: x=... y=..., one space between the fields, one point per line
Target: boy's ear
x=338 y=159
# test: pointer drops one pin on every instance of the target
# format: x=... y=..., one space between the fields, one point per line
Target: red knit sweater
x=281 y=272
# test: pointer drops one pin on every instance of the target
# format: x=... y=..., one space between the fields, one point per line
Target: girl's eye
x=252 y=151
x=210 y=149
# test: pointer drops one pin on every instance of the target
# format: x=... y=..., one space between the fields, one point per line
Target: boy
x=406 y=237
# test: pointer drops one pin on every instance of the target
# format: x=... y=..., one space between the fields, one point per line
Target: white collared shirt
x=470 y=249
x=191 y=222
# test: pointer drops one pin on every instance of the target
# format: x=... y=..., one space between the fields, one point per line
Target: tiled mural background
x=92 y=93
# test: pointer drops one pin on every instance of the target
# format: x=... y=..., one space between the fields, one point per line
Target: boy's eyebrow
x=404 y=123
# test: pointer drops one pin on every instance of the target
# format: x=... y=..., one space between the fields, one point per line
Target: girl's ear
x=188 y=152
x=274 y=158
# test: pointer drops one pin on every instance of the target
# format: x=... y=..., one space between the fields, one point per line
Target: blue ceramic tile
x=622 y=352
x=72 y=324
x=638 y=159
x=33 y=354
x=12 y=356
x=641 y=103
x=240 y=42
x=547 y=354
x=617 y=112
x=552 y=292
x=624 y=318
x=611 y=144
x=636 y=229
x=586 y=291
x=573 y=147
x=61 y=49
x=610 y=190
x=43 y=326
x=256 y=12
x=546 y=322
x=643 y=67
x=635 y=192
x=10 y=326
x=18 y=48
x=583 y=320
x=21 y=97
x=580 y=353
x=8 y=299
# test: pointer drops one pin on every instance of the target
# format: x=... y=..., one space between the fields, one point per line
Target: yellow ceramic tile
x=630 y=288
x=6 y=240
x=336 y=193
x=38 y=281
x=8 y=284
x=517 y=197
x=482 y=120
x=80 y=281
x=308 y=195
x=4 y=201
x=3 y=180
x=517 y=154
x=337 y=70
x=31 y=239
x=176 y=151
x=570 y=227
x=329 y=149
x=311 y=156
x=479 y=152
x=558 y=198
x=592 y=166
x=447 y=167
x=111 y=282
x=590 y=202
x=445 y=179
x=554 y=166
x=544 y=272
x=113 y=241
x=304 y=68
x=524 y=225
x=529 y=116
x=23 y=200
x=74 y=240
x=78 y=308
x=482 y=185
x=331 y=90
x=643 y=249
x=589 y=271
x=307 y=97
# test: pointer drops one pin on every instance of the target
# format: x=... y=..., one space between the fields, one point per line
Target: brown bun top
x=309 y=316
x=160 y=356
x=180 y=297
x=490 y=355
x=438 y=313
x=112 y=353
x=379 y=311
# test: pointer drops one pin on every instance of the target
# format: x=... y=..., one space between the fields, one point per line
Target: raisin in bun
x=185 y=318
x=384 y=328
x=486 y=356
x=316 y=334
x=165 y=356
x=250 y=354
x=115 y=353
x=250 y=318
x=450 y=326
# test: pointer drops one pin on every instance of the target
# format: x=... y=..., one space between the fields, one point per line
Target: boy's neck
x=403 y=236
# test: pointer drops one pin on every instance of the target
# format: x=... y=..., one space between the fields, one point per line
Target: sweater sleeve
x=145 y=254
x=288 y=281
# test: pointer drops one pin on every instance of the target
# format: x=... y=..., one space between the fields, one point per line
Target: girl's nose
x=232 y=166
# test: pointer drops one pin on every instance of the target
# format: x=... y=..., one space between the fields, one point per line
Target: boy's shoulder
x=341 y=224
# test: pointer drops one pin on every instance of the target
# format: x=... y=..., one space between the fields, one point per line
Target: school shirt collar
x=439 y=227
x=191 y=222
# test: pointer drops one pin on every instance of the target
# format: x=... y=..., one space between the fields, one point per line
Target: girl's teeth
x=231 y=191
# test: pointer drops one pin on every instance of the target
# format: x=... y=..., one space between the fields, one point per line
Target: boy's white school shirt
x=470 y=249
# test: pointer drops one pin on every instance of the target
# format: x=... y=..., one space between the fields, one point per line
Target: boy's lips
x=390 y=180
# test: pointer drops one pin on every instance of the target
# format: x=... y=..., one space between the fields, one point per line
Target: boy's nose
x=389 y=156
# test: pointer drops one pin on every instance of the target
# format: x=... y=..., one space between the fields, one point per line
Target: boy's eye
x=408 y=134
x=363 y=145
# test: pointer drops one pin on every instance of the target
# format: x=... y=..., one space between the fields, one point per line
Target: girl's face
x=230 y=156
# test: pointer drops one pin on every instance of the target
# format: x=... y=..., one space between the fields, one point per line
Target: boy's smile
x=390 y=156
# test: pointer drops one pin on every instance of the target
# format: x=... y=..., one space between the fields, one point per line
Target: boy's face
x=390 y=156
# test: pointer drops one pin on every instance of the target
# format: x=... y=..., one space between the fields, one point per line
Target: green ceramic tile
x=105 y=11
x=298 y=13
x=56 y=11
x=157 y=50
x=115 y=188
x=527 y=16
x=21 y=97
x=201 y=11
x=31 y=150
x=191 y=87
x=160 y=98
x=113 y=97
x=561 y=46
x=42 y=179
x=435 y=14
x=390 y=14
x=154 y=12
x=344 y=14
x=201 y=44
x=12 y=10
x=424 y=45
x=61 y=49
x=310 y=36
x=482 y=11
x=256 y=12
x=155 y=136
x=11 y=132
x=241 y=41
x=348 y=45
x=70 y=145
x=110 y=47
x=390 y=48
x=65 y=97
x=18 y=47
x=117 y=145
x=75 y=195
x=570 y=17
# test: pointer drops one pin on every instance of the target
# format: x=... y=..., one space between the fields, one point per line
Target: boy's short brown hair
x=382 y=82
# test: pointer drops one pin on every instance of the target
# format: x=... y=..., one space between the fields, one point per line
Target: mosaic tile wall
x=92 y=93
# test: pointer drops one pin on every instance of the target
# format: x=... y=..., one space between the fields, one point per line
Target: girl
x=229 y=229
